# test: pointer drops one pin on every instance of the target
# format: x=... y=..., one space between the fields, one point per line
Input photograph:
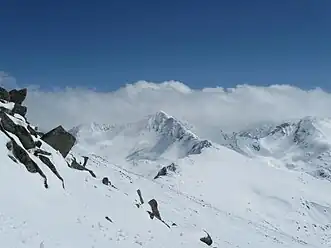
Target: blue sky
x=105 y=44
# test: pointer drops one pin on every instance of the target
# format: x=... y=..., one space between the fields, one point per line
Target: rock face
x=17 y=96
x=4 y=94
x=60 y=140
x=165 y=169
x=28 y=150
x=19 y=109
x=20 y=131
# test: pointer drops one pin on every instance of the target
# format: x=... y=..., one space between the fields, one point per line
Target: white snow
x=240 y=201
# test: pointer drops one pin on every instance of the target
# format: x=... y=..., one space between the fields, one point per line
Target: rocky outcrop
x=20 y=131
x=60 y=140
x=25 y=143
x=22 y=156
x=17 y=96
x=4 y=95
x=165 y=169
x=207 y=240
x=77 y=166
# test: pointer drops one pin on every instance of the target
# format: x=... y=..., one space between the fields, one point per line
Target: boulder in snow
x=60 y=140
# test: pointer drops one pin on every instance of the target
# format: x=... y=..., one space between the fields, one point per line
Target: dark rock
x=7 y=123
x=75 y=165
x=198 y=147
x=85 y=161
x=60 y=140
x=38 y=143
x=5 y=110
x=154 y=207
x=17 y=96
x=19 y=109
x=164 y=170
x=32 y=131
x=105 y=181
x=22 y=156
x=174 y=224
x=37 y=152
x=140 y=197
x=107 y=218
x=23 y=135
x=51 y=166
x=4 y=94
x=161 y=172
x=207 y=240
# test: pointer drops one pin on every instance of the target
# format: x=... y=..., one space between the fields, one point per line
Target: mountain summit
x=156 y=136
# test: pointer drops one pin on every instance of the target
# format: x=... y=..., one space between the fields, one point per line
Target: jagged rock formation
x=25 y=143
x=165 y=169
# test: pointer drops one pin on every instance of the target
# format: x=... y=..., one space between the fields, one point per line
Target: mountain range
x=155 y=183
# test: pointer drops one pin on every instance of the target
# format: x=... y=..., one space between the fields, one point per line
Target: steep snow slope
x=303 y=145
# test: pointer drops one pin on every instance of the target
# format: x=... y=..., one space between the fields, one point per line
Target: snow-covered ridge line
x=301 y=144
x=165 y=124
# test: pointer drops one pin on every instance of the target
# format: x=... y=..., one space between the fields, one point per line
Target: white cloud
x=207 y=109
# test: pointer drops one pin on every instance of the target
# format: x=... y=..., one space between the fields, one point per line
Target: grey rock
x=207 y=240
x=75 y=165
x=106 y=181
x=19 y=109
x=22 y=156
x=4 y=94
x=165 y=169
x=24 y=137
x=17 y=96
x=20 y=131
x=33 y=131
x=140 y=197
x=155 y=210
x=60 y=140
x=51 y=166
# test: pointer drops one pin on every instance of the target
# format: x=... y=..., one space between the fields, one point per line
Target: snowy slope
x=303 y=144
x=239 y=201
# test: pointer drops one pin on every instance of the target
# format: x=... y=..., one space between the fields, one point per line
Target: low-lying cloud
x=208 y=109
x=212 y=108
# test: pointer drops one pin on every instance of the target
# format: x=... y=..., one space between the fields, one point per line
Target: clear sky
x=105 y=44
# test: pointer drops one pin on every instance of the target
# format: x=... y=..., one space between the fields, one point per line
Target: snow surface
x=241 y=201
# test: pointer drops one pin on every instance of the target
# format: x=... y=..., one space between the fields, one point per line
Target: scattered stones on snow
x=60 y=140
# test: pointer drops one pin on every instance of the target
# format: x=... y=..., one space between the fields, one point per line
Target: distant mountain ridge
x=150 y=138
x=303 y=144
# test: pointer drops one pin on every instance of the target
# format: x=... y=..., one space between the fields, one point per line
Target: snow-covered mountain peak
x=303 y=144
x=155 y=136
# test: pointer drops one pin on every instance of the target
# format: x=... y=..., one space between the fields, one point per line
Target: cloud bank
x=208 y=110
